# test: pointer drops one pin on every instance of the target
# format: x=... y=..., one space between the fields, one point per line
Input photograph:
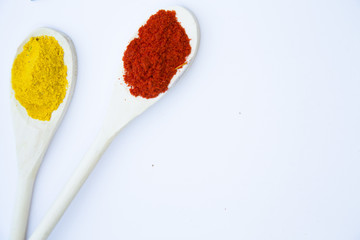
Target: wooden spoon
x=33 y=136
x=123 y=108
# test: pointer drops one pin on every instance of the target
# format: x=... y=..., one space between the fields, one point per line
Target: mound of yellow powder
x=39 y=77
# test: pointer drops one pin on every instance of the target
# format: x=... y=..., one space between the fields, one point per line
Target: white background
x=260 y=139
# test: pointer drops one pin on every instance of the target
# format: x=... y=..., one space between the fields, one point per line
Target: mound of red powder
x=152 y=59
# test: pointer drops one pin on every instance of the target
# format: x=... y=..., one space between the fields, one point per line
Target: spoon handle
x=72 y=187
x=22 y=206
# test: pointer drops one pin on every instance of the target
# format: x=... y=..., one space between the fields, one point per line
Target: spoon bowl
x=123 y=105
x=123 y=108
x=33 y=136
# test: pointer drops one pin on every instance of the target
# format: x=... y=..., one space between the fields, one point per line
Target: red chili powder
x=152 y=59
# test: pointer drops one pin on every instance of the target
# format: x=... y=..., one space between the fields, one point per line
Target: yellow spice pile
x=39 y=77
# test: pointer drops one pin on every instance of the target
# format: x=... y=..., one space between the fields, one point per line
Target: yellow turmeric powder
x=39 y=77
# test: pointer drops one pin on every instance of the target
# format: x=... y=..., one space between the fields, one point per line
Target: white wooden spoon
x=123 y=108
x=33 y=136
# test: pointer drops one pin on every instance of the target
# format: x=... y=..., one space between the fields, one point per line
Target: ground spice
x=153 y=58
x=39 y=77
